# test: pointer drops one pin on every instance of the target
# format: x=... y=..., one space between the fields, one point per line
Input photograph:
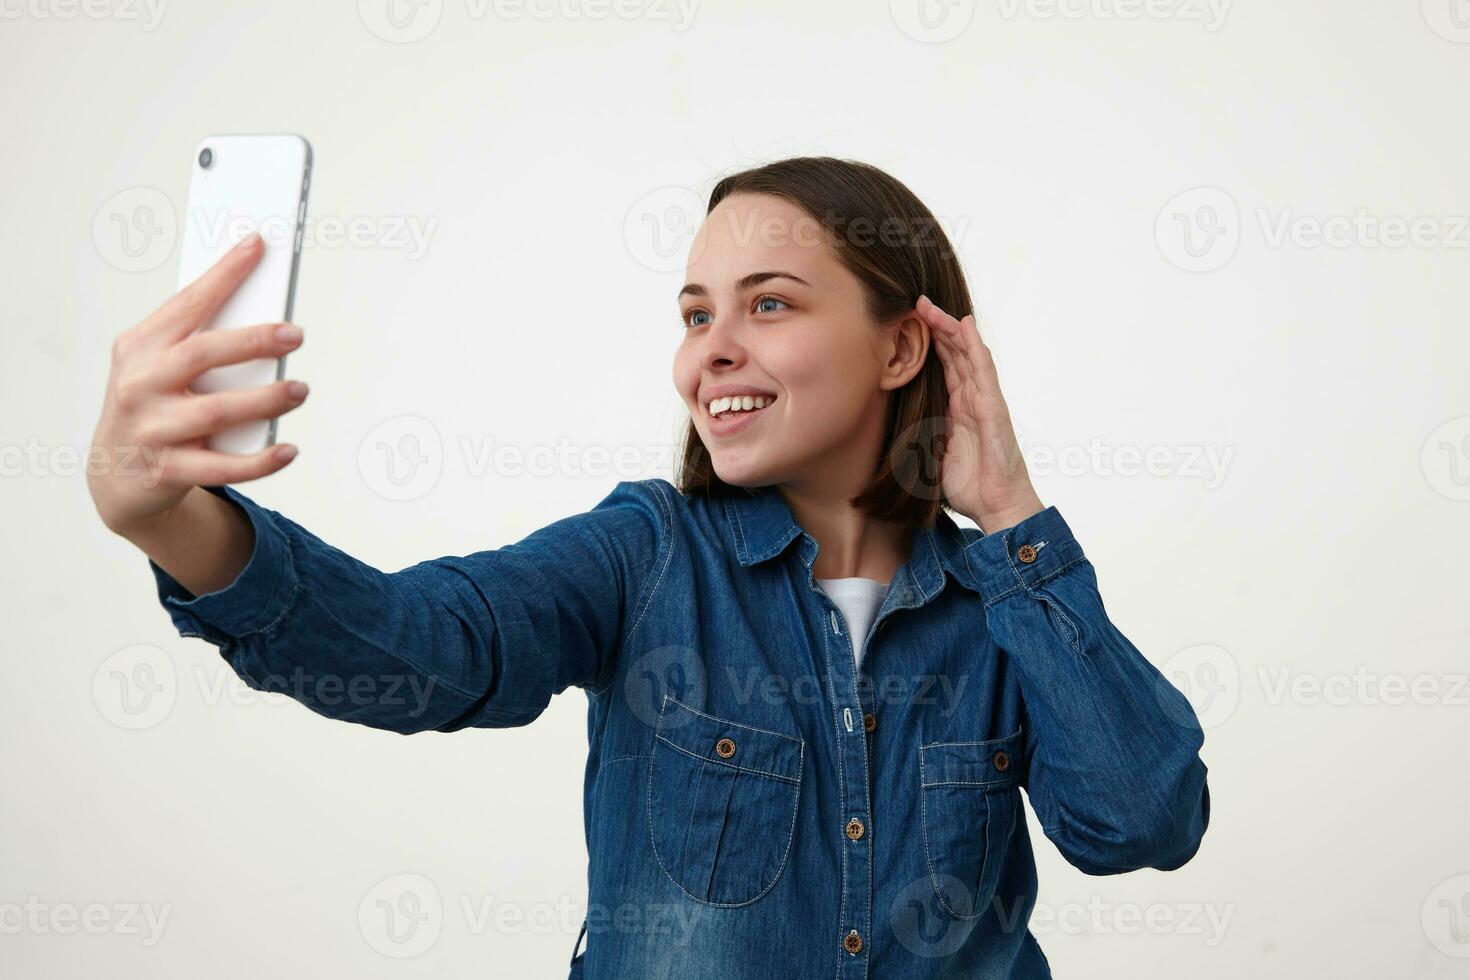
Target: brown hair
x=885 y=236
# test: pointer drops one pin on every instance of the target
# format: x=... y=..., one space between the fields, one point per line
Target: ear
x=905 y=348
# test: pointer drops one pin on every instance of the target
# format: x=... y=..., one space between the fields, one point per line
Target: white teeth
x=738 y=403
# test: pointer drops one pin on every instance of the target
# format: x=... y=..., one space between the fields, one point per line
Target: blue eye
x=687 y=317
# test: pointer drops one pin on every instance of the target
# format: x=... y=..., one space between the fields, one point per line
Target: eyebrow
x=742 y=284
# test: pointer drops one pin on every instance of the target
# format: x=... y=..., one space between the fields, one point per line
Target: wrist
x=999 y=520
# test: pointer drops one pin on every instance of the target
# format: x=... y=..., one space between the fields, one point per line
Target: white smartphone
x=243 y=183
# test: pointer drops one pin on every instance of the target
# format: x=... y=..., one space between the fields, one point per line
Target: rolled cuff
x=257 y=598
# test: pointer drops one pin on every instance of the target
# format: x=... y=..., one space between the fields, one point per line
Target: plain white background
x=1220 y=254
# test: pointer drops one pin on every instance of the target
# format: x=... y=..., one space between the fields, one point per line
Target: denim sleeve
x=1113 y=769
x=480 y=640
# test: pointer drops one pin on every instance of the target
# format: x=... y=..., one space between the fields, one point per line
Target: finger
x=195 y=466
x=975 y=365
x=196 y=416
x=945 y=328
x=967 y=335
x=932 y=311
x=181 y=363
x=198 y=301
x=949 y=356
x=980 y=358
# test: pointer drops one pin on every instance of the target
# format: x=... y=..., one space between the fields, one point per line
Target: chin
x=746 y=473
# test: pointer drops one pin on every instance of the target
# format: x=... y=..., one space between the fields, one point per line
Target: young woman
x=813 y=697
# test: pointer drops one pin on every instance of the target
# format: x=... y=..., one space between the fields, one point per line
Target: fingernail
x=288 y=333
x=296 y=390
x=286 y=453
x=248 y=242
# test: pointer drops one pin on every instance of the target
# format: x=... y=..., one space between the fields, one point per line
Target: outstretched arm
x=483 y=639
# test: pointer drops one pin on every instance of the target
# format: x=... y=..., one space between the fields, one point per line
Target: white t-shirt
x=859 y=599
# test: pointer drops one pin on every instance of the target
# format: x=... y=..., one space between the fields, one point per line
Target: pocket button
x=1002 y=761
x=725 y=748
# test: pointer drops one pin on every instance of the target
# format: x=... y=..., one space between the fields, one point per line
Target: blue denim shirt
x=755 y=806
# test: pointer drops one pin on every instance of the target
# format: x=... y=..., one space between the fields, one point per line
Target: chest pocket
x=722 y=802
x=970 y=801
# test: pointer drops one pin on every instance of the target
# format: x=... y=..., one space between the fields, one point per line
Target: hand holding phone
x=150 y=446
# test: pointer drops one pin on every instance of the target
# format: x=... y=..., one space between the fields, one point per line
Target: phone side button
x=298 y=238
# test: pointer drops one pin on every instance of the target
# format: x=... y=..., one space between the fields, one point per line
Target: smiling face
x=768 y=307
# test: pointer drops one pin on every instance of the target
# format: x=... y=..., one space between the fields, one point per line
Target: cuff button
x=1026 y=553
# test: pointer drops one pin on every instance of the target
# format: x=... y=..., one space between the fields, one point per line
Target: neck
x=850 y=544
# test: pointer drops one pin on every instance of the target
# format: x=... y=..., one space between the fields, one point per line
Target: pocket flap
x=989 y=763
x=729 y=743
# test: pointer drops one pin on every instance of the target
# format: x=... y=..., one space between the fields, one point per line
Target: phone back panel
x=254 y=182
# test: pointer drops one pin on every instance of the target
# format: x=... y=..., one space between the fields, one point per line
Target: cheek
x=827 y=394
x=685 y=374
x=815 y=380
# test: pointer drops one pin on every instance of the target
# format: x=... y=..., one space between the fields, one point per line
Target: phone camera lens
x=206 y=157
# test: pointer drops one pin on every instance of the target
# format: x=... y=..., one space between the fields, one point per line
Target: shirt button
x=870 y=721
x=852 y=942
x=1002 y=761
x=1026 y=553
x=854 y=828
x=725 y=747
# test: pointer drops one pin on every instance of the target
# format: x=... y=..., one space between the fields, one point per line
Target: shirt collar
x=761 y=526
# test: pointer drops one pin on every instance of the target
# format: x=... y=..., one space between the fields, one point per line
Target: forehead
x=749 y=231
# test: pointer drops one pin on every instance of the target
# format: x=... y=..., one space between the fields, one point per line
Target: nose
x=722 y=345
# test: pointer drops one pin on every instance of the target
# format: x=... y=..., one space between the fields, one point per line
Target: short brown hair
x=883 y=234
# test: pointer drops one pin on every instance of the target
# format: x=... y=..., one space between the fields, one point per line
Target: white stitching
x=791 y=834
